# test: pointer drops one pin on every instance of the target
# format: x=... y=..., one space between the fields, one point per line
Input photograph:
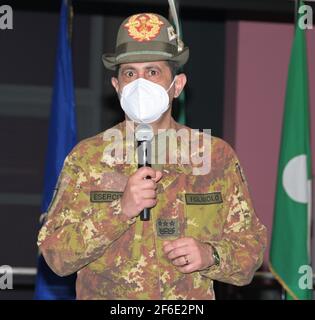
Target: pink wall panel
x=256 y=74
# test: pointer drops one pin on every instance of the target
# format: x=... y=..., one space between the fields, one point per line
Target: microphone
x=144 y=135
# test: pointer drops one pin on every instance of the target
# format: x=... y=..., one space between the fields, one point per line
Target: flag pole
x=174 y=7
x=70 y=20
x=283 y=293
x=297 y=4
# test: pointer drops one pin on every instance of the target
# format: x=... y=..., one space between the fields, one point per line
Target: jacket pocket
x=203 y=219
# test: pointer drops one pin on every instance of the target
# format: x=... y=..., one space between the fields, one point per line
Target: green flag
x=290 y=245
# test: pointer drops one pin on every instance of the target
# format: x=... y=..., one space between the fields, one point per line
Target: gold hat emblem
x=143 y=27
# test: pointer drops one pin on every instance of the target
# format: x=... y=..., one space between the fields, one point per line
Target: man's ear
x=180 y=83
x=115 y=84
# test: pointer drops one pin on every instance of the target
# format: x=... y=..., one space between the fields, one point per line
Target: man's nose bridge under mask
x=119 y=92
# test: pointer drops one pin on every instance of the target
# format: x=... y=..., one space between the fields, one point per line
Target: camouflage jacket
x=120 y=258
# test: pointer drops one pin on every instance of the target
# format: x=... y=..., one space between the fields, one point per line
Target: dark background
x=27 y=57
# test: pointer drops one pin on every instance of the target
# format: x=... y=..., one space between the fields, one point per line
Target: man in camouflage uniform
x=202 y=227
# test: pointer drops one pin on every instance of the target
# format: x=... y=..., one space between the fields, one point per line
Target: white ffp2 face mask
x=144 y=101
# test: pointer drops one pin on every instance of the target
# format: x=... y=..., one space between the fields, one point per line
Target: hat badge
x=143 y=27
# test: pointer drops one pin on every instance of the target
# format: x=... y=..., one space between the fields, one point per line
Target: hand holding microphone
x=140 y=192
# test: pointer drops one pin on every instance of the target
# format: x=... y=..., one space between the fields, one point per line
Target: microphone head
x=144 y=132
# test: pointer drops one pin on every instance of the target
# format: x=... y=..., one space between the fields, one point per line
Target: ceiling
x=266 y=10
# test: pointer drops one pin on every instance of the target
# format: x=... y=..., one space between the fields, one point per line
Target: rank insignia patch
x=167 y=227
x=143 y=27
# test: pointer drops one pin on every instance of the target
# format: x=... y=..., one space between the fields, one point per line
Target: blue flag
x=61 y=139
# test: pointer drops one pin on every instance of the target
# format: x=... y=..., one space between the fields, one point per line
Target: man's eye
x=153 y=73
x=129 y=74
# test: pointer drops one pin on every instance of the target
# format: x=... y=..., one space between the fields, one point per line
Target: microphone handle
x=145 y=213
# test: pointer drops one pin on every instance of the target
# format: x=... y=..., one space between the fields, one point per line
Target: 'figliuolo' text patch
x=203 y=198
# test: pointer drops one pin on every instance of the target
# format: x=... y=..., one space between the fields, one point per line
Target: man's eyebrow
x=153 y=66
x=127 y=68
x=150 y=66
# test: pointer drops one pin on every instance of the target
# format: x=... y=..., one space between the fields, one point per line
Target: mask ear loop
x=171 y=87
x=171 y=84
